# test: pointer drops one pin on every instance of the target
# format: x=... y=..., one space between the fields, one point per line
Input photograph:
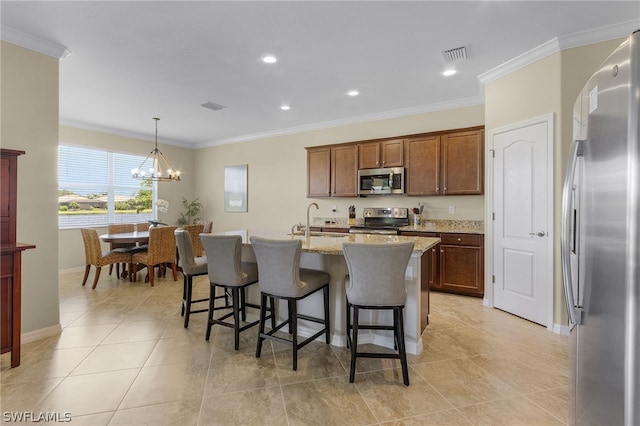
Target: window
x=95 y=188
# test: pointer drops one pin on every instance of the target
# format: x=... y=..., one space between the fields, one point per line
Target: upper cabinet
x=438 y=163
x=446 y=164
x=319 y=171
x=375 y=155
x=332 y=171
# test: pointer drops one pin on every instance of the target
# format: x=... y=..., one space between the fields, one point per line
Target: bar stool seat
x=376 y=282
x=281 y=277
x=227 y=271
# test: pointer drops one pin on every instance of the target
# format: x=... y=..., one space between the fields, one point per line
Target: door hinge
x=493 y=216
x=493 y=279
x=493 y=153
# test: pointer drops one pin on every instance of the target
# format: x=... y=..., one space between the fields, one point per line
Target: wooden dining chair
x=161 y=251
x=117 y=228
x=208 y=225
x=194 y=232
x=142 y=226
x=95 y=256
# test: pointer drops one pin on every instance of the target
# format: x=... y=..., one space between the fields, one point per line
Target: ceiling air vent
x=454 y=55
x=213 y=106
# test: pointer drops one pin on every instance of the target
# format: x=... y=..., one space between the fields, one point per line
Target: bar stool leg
x=293 y=326
x=354 y=345
x=401 y=346
x=263 y=313
x=212 y=299
x=236 y=316
x=187 y=303
x=348 y=317
x=327 y=317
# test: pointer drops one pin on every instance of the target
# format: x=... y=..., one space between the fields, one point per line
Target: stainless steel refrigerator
x=601 y=244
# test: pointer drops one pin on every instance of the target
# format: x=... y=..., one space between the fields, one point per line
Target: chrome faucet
x=307 y=232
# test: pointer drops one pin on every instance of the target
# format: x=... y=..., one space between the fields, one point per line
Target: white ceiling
x=131 y=61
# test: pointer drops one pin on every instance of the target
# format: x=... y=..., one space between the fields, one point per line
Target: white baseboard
x=70 y=270
x=42 y=333
x=561 y=329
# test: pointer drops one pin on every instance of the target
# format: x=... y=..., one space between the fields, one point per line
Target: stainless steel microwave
x=388 y=180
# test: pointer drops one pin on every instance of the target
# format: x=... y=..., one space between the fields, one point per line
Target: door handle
x=539 y=233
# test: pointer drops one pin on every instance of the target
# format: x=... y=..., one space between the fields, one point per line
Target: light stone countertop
x=428 y=225
x=331 y=243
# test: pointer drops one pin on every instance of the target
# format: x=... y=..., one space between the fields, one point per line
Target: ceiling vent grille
x=454 y=55
x=213 y=106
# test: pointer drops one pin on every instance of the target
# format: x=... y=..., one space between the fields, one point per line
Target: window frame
x=110 y=187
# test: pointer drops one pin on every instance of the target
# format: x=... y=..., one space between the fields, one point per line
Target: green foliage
x=74 y=206
x=192 y=210
x=63 y=208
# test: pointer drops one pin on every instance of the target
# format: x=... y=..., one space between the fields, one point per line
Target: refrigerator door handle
x=573 y=310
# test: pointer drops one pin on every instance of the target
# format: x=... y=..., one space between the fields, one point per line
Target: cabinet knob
x=459 y=239
x=441 y=251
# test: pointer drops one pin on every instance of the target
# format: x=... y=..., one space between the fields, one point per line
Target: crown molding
x=421 y=109
x=34 y=43
x=557 y=44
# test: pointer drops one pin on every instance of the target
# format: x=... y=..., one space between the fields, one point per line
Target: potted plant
x=191 y=211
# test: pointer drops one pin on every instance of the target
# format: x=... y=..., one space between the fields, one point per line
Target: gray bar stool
x=281 y=277
x=376 y=281
x=226 y=270
x=191 y=267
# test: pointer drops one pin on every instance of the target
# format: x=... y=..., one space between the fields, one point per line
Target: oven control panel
x=386 y=212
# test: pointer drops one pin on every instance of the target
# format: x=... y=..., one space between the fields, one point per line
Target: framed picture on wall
x=235 y=189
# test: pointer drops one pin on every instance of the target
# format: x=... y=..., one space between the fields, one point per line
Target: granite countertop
x=429 y=225
x=331 y=243
x=448 y=226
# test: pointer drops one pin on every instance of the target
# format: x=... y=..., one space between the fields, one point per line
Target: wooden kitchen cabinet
x=332 y=171
x=456 y=265
x=344 y=171
x=450 y=163
x=319 y=171
x=375 y=155
x=461 y=264
x=462 y=156
x=10 y=258
x=422 y=176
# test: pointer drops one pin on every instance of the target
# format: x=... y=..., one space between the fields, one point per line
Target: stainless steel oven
x=382 y=220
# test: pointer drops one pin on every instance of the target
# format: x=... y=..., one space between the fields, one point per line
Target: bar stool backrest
x=224 y=258
x=279 y=266
x=185 y=250
x=376 y=273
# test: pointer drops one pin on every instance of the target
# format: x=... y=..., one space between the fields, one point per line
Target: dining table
x=137 y=237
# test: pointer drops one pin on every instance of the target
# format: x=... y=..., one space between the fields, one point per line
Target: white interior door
x=522 y=206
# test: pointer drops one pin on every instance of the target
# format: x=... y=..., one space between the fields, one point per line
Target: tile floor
x=123 y=358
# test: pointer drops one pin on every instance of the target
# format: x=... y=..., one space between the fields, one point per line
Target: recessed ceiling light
x=269 y=59
x=285 y=107
x=353 y=93
x=449 y=72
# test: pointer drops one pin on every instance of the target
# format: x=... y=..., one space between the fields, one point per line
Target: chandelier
x=156 y=167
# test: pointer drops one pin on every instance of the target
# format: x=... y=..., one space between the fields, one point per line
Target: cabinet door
x=344 y=171
x=461 y=269
x=319 y=172
x=369 y=156
x=392 y=153
x=422 y=159
x=462 y=163
x=434 y=268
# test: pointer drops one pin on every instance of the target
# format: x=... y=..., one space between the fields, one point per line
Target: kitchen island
x=323 y=251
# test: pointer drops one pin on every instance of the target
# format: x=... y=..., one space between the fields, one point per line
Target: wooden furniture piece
x=160 y=251
x=10 y=257
x=456 y=265
x=332 y=171
x=94 y=255
x=450 y=163
x=387 y=153
x=194 y=232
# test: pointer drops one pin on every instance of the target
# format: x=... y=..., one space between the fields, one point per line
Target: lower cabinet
x=456 y=265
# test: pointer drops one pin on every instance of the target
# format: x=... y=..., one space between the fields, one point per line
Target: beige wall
x=549 y=85
x=29 y=112
x=277 y=174
x=70 y=247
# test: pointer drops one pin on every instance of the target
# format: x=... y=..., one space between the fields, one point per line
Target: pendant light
x=156 y=167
